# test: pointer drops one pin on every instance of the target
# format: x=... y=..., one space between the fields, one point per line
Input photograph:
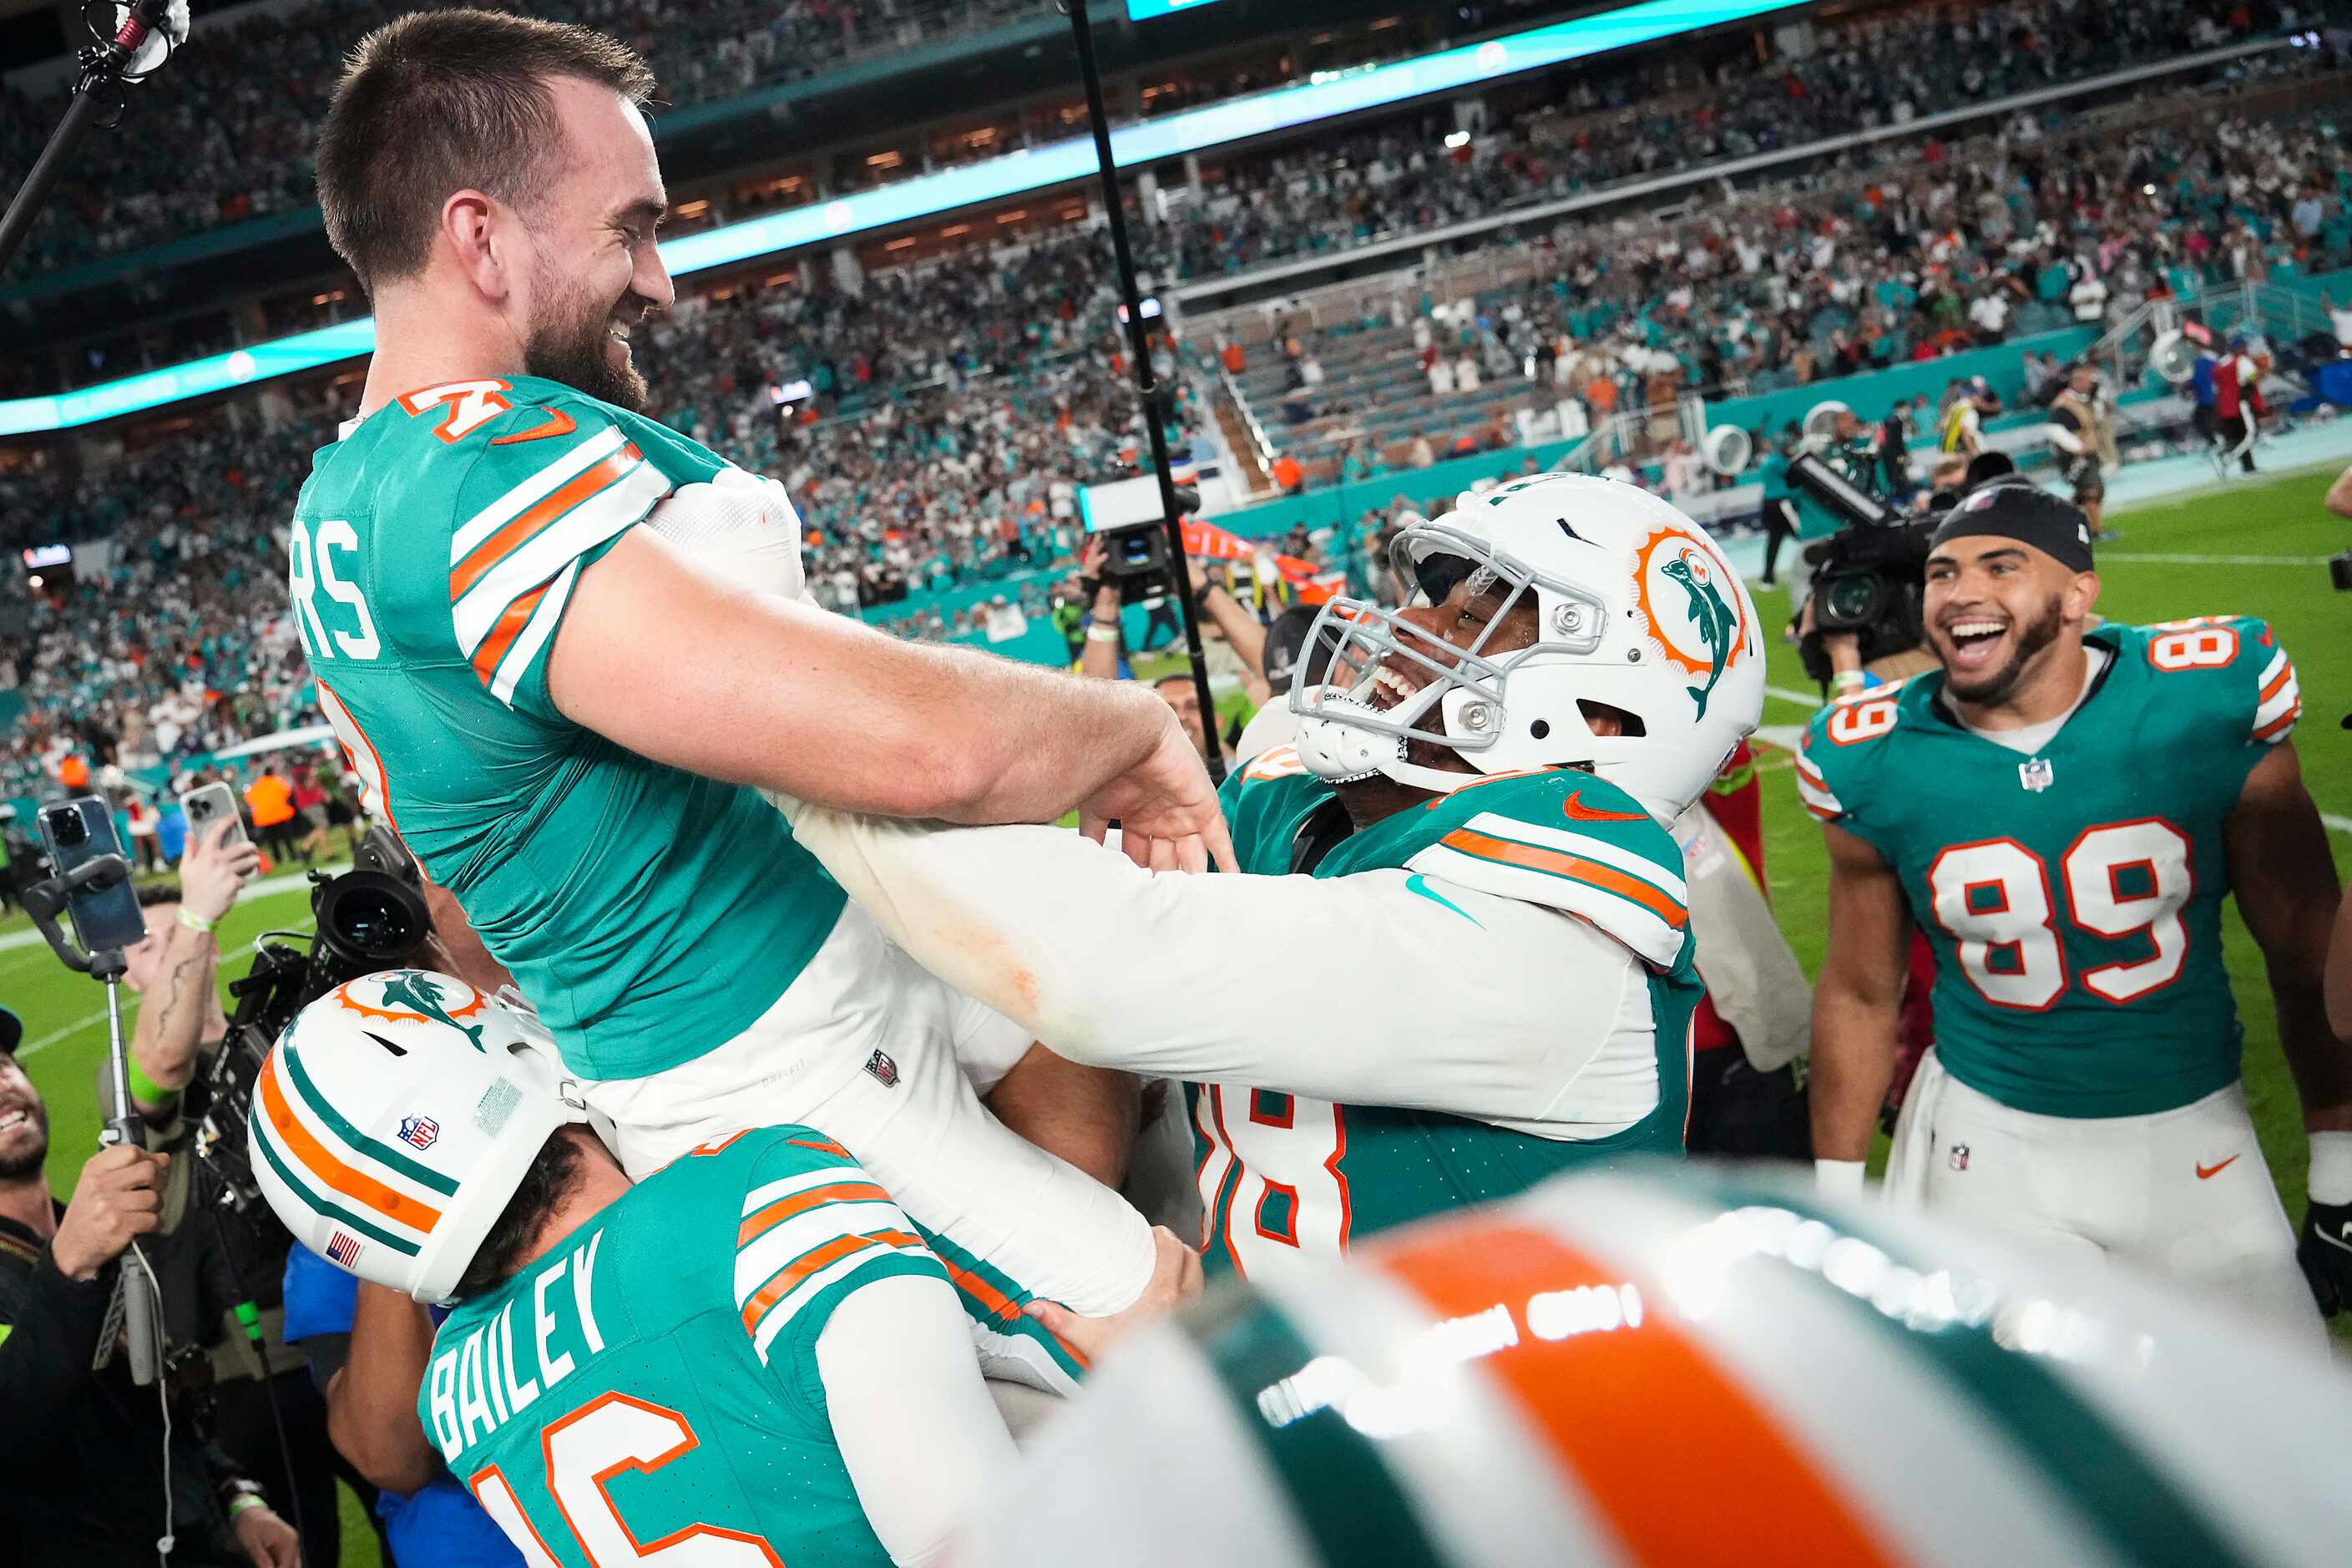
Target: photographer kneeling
x=94 y=1469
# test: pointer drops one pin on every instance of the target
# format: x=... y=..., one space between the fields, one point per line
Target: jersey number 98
x=2123 y=879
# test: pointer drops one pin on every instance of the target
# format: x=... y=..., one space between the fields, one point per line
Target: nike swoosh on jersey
x=2207 y=1173
x=559 y=423
x=1577 y=811
x=1417 y=883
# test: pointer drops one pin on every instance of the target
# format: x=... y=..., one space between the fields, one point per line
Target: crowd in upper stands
x=950 y=413
x=219 y=142
x=1662 y=114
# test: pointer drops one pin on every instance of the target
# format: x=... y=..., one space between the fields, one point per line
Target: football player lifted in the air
x=2062 y=811
x=1460 y=957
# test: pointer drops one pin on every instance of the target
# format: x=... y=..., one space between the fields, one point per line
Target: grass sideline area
x=2254 y=549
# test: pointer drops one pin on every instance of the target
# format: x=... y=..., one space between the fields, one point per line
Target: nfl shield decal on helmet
x=419 y=1131
x=885 y=1071
x=1959 y=1156
x=1696 y=622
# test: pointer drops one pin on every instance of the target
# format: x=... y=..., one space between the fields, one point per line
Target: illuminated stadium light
x=991 y=180
x=1144 y=10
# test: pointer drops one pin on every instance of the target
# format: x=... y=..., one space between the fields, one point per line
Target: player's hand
x=2325 y=1250
x=267 y=1540
x=1166 y=809
x=1198 y=571
x=119 y=1197
x=1175 y=1280
x=214 y=871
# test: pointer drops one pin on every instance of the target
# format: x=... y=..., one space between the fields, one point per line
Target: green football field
x=2255 y=550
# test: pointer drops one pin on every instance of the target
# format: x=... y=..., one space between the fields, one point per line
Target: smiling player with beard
x=2061 y=809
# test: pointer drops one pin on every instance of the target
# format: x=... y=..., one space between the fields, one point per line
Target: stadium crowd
x=220 y=143
x=954 y=410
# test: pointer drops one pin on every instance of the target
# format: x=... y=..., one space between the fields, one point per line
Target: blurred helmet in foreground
x=1684 y=1366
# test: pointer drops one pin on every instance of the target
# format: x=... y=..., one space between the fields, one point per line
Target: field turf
x=2255 y=549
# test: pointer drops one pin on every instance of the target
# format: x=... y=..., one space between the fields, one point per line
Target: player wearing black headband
x=2061 y=809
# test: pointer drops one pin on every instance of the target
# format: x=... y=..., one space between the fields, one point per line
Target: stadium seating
x=957 y=407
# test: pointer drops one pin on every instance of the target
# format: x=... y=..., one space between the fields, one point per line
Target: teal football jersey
x=1280 y=1171
x=2073 y=896
x=650 y=915
x=653 y=1379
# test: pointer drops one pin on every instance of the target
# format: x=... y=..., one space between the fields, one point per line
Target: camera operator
x=215 y=1267
x=2082 y=428
x=90 y=1462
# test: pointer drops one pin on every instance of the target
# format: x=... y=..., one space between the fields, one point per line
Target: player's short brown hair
x=440 y=101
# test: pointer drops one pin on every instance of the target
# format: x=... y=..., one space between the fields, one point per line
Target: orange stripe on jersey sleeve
x=2279 y=723
x=503 y=633
x=783 y=1282
x=1575 y=868
x=323 y=1162
x=757 y=1225
x=2277 y=685
x=1634 y=1412
x=822 y=1145
x=496 y=547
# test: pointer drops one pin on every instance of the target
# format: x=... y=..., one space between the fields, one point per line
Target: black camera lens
x=66 y=827
x=1849 y=601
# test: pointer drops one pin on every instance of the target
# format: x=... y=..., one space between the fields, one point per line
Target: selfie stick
x=45 y=900
x=1155 y=401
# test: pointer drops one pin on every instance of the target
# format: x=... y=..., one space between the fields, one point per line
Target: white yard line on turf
x=2169 y=559
x=31 y=937
x=131 y=1003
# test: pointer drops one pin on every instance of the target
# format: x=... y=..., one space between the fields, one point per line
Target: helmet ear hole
x=1540 y=730
x=1604 y=719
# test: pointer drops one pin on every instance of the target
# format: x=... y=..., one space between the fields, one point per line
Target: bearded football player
x=2062 y=810
x=1459 y=959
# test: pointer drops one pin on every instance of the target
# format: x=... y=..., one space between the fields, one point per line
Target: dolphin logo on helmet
x=1715 y=620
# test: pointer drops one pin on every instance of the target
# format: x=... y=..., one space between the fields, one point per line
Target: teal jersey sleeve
x=1561 y=837
x=1840 y=760
x=2231 y=672
x=812 y=1227
x=550 y=484
x=1266 y=805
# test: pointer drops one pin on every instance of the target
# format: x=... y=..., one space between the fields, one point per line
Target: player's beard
x=2001 y=684
x=570 y=344
x=27 y=1161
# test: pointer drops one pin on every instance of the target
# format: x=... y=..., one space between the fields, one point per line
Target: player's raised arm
x=1116 y=968
x=1855 y=1004
x=664 y=659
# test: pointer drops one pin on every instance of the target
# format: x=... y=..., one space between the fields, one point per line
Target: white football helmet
x=1636 y=608
x=394 y=1118
x=1555 y=1381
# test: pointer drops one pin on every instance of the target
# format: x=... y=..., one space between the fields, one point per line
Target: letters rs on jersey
x=2074 y=898
x=649 y=1388
x=1282 y=1174
x=433 y=552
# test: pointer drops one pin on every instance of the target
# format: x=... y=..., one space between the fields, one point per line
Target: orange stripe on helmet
x=783 y=1282
x=494 y=549
x=324 y=1164
x=1576 y=867
x=757 y=1225
x=1634 y=1412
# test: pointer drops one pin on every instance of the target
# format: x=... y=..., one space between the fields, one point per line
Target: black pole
x=1147 y=386
x=81 y=115
x=103 y=68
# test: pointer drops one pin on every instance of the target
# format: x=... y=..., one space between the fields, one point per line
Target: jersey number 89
x=2122 y=879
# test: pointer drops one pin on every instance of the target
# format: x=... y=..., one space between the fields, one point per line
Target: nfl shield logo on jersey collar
x=2038 y=774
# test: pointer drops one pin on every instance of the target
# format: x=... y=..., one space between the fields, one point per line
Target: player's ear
x=2082 y=594
x=480 y=235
